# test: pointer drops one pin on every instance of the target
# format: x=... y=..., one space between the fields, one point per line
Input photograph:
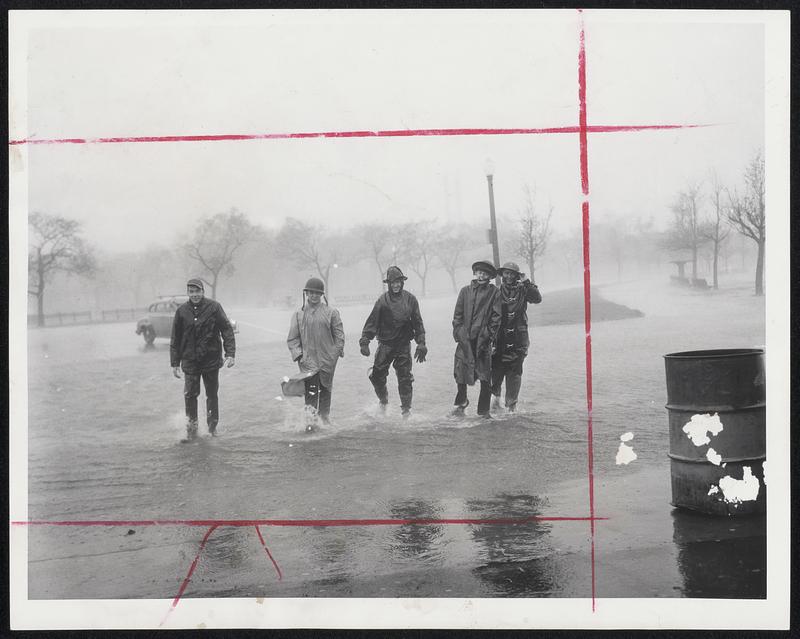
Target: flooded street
x=106 y=417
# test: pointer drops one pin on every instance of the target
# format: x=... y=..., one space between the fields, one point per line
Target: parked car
x=159 y=318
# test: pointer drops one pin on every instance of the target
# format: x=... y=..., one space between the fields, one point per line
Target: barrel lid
x=715 y=353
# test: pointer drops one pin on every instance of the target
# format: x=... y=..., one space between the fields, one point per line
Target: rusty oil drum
x=730 y=384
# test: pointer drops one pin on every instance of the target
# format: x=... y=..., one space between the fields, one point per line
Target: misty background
x=367 y=203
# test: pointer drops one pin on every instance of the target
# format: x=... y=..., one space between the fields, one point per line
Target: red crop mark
x=504 y=521
x=193 y=566
x=269 y=554
x=583 y=129
x=397 y=133
x=587 y=296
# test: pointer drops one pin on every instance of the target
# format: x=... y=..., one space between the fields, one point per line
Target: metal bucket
x=717 y=430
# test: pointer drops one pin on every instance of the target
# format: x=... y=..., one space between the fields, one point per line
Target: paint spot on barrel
x=698 y=428
x=736 y=491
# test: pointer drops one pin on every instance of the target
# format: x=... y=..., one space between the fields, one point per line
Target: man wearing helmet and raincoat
x=395 y=320
x=476 y=319
x=516 y=292
x=316 y=342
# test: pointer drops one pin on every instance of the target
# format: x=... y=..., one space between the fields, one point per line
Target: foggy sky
x=278 y=72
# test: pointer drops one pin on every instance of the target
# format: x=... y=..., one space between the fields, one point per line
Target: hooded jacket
x=476 y=319
x=395 y=320
x=196 y=332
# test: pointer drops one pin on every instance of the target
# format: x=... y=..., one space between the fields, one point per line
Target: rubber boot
x=191 y=431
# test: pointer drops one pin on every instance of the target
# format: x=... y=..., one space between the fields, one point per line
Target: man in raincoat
x=195 y=347
x=476 y=320
x=516 y=292
x=396 y=320
x=316 y=342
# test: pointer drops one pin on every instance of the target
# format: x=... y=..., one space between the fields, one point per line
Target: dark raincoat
x=513 y=339
x=395 y=320
x=476 y=320
x=196 y=330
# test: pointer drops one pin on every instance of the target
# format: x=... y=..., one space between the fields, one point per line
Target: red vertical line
x=582 y=113
x=193 y=566
x=587 y=305
x=269 y=554
x=587 y=297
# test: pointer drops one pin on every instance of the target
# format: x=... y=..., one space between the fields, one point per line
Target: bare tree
x=533 y=232
x=215 y=243
x=450 y=247
x=713 y=230
x=614 y=239
x=389 y=244
x=687 y=232
x=310 y=247
x=377 y=238
x=54 y=245
x=421 y=251
x=402 y=245
x=746 y=213
x=569 y=248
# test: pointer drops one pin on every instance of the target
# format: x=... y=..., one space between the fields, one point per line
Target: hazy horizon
x=282 y=72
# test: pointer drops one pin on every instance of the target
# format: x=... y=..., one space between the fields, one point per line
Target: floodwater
x=105 y=420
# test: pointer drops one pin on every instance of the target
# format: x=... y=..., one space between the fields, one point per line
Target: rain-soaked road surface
x=105 y=422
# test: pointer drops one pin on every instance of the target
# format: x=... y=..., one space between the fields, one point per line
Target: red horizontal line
x=299 y=522
x=356 y=134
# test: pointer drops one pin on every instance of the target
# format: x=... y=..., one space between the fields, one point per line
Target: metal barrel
x=717 y=397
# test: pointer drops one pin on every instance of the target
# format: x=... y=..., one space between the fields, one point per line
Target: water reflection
x=721 y=557
x=416 y=541
x=518 y=557
x=332 y=554
x=228 y=547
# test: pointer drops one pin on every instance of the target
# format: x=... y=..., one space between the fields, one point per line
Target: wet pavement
x=105 y=421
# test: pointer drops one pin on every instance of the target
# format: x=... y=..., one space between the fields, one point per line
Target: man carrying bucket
x=316 y=342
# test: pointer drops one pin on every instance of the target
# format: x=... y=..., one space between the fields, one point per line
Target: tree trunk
x=214 y=287
x=716 y=262
x=452 y=275
x=40 y=308
x=325 y=283
x=694 y=263
x=40 y=295
x=531 y=270
x=760 y=269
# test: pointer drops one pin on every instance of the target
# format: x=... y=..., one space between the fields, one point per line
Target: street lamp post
x=489 y=167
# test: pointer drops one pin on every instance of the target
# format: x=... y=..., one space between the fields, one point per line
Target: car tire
x=149 y=335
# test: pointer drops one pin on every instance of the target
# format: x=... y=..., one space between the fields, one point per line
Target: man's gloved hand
x=365 y=349
x=229 y=361
x=176 y=371
x=421 y=353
